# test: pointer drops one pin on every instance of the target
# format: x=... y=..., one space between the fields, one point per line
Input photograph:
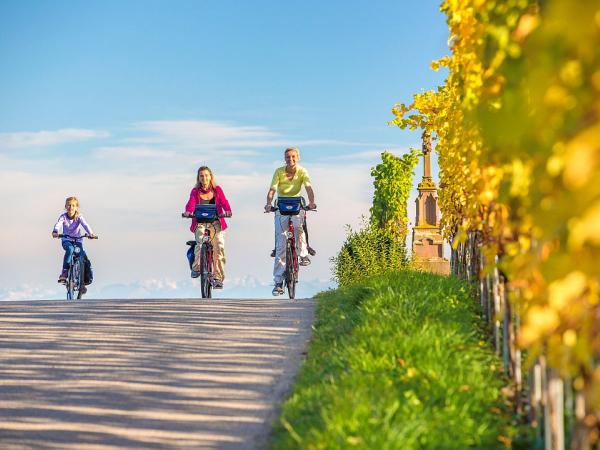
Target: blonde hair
x=76 y=200
x=293 y=149
x=212 y=184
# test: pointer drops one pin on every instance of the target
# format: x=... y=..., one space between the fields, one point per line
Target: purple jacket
x=64 y=225
x=220 y=202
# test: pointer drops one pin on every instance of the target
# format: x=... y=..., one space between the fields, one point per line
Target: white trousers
x=281 y=227
x=217 y=237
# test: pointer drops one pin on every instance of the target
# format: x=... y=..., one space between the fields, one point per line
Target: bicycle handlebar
x=187 y=215
x=305 y=208
x=76 y=237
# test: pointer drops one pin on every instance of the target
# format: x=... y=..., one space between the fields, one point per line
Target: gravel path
x=147 y=374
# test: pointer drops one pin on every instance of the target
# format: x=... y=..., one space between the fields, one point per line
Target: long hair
x=76 y=200
x=212 y=184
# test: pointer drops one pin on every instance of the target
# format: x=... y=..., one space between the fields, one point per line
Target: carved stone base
x=439 y=266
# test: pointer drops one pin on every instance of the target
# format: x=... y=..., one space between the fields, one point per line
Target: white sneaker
x=304 y=261
x=278 y=289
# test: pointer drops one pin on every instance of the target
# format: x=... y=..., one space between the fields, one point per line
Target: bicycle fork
x=292 y=239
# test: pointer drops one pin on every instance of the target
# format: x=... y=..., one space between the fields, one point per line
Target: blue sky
x=118 y=102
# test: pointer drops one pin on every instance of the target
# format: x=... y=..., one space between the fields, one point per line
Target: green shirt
x=290 y=188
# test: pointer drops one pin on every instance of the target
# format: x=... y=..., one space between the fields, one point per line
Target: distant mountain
x=244 y=287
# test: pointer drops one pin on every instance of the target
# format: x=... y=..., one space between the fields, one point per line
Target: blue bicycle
x=76 y=274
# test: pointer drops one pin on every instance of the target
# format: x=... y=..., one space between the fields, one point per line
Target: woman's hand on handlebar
x=187 y=215
x=311 y=206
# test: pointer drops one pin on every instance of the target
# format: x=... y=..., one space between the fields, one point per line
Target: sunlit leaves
x=517 y=127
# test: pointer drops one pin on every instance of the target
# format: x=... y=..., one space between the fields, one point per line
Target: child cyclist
x=70 y=224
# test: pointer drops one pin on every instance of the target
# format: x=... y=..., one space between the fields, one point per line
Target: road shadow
x=146 y=374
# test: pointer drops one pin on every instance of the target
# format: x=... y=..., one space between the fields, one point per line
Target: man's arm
x=270 y=196
x=311 y=197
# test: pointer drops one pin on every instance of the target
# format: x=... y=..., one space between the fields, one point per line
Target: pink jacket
x=220 y=202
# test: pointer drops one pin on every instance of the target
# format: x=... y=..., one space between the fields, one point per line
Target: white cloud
x=44 y=138
x=29 y=292
x=204 y=133
x=132 y=152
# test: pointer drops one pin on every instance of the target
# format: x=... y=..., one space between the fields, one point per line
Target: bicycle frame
x=74 y=283
x=291 y=254
x=206 y=258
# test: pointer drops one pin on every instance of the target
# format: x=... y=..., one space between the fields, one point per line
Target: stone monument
x=427 y=240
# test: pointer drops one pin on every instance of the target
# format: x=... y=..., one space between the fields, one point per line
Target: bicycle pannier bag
x=205 y=213
x=190 y=254
x=88 y=274
x=290 y=206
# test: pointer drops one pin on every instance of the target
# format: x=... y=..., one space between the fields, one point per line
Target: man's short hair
x=292 y=149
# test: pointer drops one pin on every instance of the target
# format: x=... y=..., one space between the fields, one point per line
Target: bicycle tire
x=70 y=283
x=205 y=272
x=291 y=267
x=80 y=283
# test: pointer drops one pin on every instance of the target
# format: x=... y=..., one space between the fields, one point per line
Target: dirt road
x=146 y=374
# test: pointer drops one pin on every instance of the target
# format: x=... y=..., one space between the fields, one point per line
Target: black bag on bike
x=88 y=274
x=190 y=252
x=205 y=213
x=290 y=206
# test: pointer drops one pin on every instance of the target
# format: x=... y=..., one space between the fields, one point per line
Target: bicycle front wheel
x=70 y=284
x=205 y=272
x=291 y=269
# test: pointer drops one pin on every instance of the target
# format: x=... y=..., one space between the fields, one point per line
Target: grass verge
x=397 y=363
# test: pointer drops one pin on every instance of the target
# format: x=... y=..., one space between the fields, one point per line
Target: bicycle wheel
x=80 y=282
x=205 y=272
x=70 y=284
x=291 y=269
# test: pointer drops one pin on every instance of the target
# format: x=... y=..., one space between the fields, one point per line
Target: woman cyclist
x=207 y=191
x=71 y=223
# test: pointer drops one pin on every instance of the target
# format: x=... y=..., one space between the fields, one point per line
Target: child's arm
x=58 y=225
x=85 y=226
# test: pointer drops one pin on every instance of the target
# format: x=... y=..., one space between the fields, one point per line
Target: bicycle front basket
x=205 y=213
x=290 y=206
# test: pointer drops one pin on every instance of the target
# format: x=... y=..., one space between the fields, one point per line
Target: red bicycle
x=205 y=214
x=291 y=206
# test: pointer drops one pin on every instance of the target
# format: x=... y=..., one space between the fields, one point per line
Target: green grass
x=398 y=363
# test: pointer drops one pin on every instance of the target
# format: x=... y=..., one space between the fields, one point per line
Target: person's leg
x=281 y=223
x=218 y=242
x=69 y=248
x=199 y=234
x=300 y=235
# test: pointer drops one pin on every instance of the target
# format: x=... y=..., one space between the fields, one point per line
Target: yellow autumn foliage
x=517 y=130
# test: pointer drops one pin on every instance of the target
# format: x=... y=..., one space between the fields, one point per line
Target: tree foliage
x=517 y=124
x=393 y=179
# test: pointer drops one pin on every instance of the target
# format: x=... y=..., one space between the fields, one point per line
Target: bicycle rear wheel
x=291 y=269
x=205 y=272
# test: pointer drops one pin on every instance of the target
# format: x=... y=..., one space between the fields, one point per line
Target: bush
x=368 y=252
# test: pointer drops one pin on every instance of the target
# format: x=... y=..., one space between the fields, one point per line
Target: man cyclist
x=287 y=182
